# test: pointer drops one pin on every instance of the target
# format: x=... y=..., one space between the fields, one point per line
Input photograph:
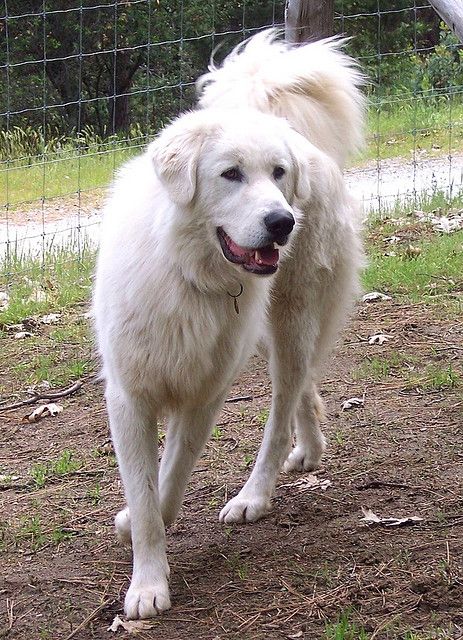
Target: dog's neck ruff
x=235 y=297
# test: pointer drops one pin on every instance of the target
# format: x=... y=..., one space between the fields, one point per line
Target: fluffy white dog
x=233 y=227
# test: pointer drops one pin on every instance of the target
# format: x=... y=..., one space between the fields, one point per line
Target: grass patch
x=400 y=125
x=58 y=280
x=410 y=258
x=31 y=170
x=345 y=629
x=380 y=367
x=435 y=271
x=435 y=378
x=64 y=465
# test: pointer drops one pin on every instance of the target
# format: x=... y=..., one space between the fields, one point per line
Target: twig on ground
x=45 y=396
x=90 y=617
x=239 y=399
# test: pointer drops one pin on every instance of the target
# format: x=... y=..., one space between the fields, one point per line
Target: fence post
x=451 y=12
x=308 y=19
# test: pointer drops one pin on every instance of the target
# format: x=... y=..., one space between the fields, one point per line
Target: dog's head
x=235 y=177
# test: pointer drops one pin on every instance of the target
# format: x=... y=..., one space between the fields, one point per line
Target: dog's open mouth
x=261 y=260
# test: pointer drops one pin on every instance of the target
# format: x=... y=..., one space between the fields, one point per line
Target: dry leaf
x=51 y=318
x=392 y=239
x=352 y=402
x=132 y=626
x=448 y=225
x=374 y=296
x=4 y=300
x=370 y=518
x=43 y=411
x=412 y=251
x=5 y=477
x=20 y=335
x=309 y=483
x=379 y=338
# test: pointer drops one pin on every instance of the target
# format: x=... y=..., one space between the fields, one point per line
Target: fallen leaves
x=309 y=483
x=20 y=335
x=31 y=323
x=379 y=338
x=131 y=626
x=443 y=224
x=370 y=518
x=51 y=318
x=375 y=296
x=43 y=411
x=4 y=300
x=352 y=403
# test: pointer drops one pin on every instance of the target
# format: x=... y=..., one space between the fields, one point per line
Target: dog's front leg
x=134 y=433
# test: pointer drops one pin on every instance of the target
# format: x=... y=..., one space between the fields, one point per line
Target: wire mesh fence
x=86 y=84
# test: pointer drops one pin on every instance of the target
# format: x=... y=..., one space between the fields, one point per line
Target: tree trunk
x=309 y=19
x=125 y=69
x=451 y=12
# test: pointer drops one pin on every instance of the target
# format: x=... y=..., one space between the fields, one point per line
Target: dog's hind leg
x=135 y=441
x=310 y=442
x=187 y=434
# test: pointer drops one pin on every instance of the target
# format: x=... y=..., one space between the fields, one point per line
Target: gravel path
x=379 y=186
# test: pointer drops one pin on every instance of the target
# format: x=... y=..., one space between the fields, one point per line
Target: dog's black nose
x=279 y=223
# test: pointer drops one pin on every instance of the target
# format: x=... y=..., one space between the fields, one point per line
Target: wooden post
x=308 y=20
x=451 y=12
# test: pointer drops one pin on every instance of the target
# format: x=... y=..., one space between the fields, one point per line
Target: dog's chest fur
x=184 y=347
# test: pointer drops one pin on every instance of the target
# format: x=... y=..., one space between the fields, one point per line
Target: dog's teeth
x=257 y=257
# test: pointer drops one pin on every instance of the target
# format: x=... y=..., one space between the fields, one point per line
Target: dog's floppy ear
x=317 y=175
x=175 y=155
x=302 y=154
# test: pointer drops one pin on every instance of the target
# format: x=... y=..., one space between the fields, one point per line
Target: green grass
x=426 y=265
x=399 y=125
x=433 y=274
x=380 y=367
x=64 y=465
x=59 y=280
x=60 y=175
x=345 y=629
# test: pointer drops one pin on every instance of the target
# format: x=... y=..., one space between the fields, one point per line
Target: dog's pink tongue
x=236 y=249
x=267 y=256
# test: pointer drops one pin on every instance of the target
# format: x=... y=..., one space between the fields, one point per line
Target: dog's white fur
x=168 y=332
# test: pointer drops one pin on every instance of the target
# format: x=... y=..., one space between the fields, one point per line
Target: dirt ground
x=293 y=574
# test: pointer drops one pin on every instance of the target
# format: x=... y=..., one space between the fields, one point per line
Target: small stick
x=45 y=396
x=88 y=619
x=239 y=398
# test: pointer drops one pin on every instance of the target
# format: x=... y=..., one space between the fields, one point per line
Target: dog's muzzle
x=261 y=260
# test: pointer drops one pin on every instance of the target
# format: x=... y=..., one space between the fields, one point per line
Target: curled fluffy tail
x=315 y=86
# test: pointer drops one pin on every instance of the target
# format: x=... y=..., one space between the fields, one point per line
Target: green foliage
x=112 y=64
x=442 y=70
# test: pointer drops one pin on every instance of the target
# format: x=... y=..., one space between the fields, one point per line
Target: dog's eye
x=278 y=173
x=233 y=174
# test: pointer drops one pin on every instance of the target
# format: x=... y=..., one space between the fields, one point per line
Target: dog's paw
x=123 y=527
x=301 y=459
x=146 y=601
x=241 y=509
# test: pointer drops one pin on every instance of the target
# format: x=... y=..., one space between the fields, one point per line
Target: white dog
x=233 y=205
